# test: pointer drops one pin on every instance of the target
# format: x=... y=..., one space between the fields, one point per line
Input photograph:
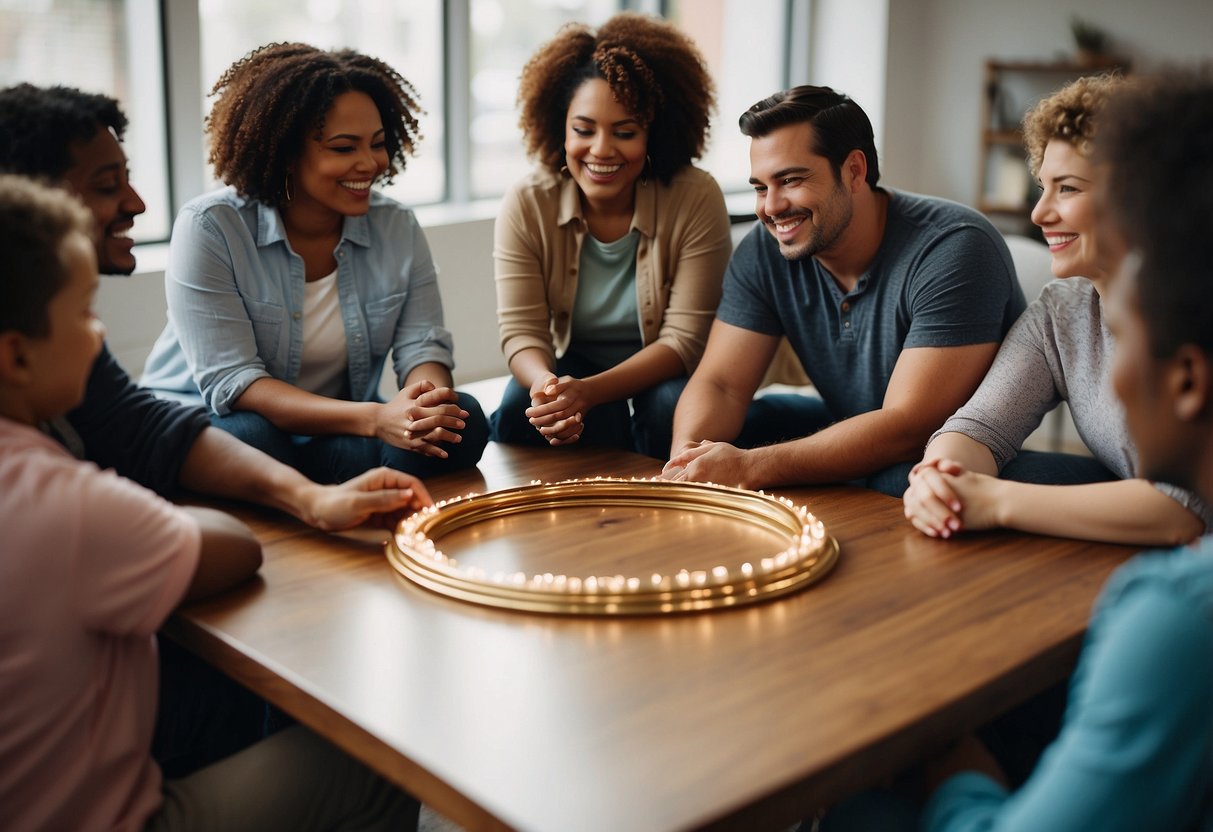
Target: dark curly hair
x=839 y=124
x=38 y=125
x=271 y=100
x=1156 y=140
x=654 y=71
x=1068 y=114
x=34 y=221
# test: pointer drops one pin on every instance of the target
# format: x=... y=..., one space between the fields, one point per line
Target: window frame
x=182 y=61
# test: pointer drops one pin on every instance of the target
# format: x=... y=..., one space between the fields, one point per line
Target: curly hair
x=1157 y=144
x=654 y=71
x=1068 y=114
x=271 y=100
x=34 y=221
x=38 y=125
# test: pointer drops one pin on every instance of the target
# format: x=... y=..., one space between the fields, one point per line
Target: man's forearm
x=220 y=465
x=707 y=411
x=848 y=450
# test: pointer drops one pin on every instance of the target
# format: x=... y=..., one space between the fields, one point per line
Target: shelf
x=1010 y=137
x=985 y=206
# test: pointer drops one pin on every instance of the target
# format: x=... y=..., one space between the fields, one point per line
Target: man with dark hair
x=71 y=139
x=894 y=303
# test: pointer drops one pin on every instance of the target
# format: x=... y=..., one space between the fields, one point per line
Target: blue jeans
x=784 y=416
x=337 y=458
x=646 y=427
x=1049 y=468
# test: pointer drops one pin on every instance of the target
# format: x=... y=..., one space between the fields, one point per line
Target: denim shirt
x=235 y=301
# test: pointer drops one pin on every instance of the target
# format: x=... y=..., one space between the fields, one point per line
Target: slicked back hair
x=839 y=124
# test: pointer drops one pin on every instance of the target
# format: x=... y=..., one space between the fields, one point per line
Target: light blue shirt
x=1136 y=749
x=235 y=301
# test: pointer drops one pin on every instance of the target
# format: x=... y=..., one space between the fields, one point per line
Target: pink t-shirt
x=91 y=564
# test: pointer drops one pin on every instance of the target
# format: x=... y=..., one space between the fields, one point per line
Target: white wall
x=914 y=65
x=936 y=53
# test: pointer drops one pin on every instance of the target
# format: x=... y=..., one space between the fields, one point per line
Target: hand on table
x=945 y=498
x=420 y=417
x=708 y=461
x=558 y=408
x=379 y=497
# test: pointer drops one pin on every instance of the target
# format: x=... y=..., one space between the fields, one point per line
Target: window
x=405 y=35
x=110 y=46
x=463 y=56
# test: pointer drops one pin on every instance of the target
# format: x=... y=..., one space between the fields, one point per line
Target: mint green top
x=606 y=319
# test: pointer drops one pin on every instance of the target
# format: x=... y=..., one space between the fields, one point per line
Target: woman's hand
x=945 y=498
x=558 y=408
x=419 y=417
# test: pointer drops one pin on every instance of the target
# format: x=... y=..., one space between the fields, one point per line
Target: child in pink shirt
x=90 y=566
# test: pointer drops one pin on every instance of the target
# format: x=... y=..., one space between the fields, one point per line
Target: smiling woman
x=288 y=289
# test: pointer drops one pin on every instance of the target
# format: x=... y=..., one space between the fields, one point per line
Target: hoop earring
x=286 y=186
x=644 y=173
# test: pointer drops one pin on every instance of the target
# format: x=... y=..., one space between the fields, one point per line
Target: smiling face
x=799 y=199
x=334 y=173
x=605 y=147
x=1066 y=211
x=99 y=176
x=61 y=361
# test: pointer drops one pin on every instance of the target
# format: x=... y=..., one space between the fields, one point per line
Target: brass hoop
x=809 y=555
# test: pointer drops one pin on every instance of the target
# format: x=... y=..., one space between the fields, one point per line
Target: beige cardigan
x=680 y=260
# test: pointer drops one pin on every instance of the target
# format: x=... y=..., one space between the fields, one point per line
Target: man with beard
x=894 y=303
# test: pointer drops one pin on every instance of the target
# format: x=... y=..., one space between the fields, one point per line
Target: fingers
x=928 y=504
x=438 y=396
x=688 y=455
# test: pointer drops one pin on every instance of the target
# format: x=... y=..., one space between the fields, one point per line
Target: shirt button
x=648 y=321
x=341 y=254
x=846 y=324
x=573 y=270
x=297 y=315
x=846 y=307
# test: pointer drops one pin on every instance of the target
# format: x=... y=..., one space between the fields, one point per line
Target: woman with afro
x=610 y=255
x=288 y=288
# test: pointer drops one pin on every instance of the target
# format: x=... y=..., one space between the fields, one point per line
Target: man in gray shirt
x=894 y=303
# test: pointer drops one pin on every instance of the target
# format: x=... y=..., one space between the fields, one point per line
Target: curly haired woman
x=610 y=255
x=288 y=288
x=973 y=475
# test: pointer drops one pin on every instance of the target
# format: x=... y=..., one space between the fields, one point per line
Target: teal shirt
x=606 y=319
x=1136 y=749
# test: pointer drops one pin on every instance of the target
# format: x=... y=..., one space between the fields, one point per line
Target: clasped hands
x=421 y=416
x=558 y=408
x=945 y=498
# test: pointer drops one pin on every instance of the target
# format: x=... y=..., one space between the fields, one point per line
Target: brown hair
x=34 y=222
x=1157 y=145
x=654 y=71
x=272 y=99
x=1068 y=114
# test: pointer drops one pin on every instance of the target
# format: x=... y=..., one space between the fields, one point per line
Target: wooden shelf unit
x=1004 y=183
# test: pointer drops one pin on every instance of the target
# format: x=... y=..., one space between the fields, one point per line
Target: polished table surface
x=744 y=718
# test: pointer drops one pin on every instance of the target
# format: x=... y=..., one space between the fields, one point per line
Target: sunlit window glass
x=742 y=42
x=407 y=34
x=104 y=46
x=504 y=35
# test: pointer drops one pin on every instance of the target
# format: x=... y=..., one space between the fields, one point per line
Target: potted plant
x=1091 y=41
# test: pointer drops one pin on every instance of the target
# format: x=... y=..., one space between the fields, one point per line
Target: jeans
x=784 y=416
x=337 y=458
x=1048 y=468
x=646 y=427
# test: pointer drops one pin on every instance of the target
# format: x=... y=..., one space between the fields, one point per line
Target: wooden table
x=744 y=718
